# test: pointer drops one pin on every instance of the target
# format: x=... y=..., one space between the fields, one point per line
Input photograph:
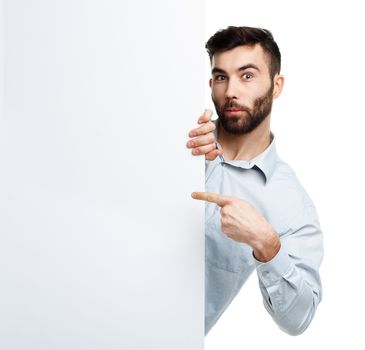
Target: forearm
x=288 y=296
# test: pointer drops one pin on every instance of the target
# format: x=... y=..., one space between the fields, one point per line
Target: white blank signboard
x=101 y=245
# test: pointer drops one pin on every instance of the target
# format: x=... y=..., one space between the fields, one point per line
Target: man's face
x=242 y=89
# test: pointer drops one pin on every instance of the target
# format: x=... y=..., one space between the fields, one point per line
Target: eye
x=247 y=76
x=219 y=77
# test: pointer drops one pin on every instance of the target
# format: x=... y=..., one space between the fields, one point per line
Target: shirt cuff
x=272 y=271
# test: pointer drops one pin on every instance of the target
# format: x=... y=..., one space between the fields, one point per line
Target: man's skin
x=240 y=220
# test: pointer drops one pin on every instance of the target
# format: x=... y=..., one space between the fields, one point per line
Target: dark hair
x=231 y=37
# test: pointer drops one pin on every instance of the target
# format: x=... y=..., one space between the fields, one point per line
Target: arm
x=288 y=275
x=290 y=283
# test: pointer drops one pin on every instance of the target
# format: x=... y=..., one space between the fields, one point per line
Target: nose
x=232 y=89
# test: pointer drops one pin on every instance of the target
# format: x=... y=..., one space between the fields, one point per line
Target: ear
x=210 y=82
x=278 y=85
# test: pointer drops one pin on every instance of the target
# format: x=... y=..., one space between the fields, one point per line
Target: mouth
x=233 y=111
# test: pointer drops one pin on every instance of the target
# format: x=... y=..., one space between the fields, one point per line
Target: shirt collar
x=265 y=161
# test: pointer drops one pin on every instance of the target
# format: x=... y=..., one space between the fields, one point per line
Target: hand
x=203 y=141
x=241 y=222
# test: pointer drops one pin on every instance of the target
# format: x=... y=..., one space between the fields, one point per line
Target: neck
x=246 y=146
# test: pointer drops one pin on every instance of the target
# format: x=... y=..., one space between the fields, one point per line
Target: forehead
x=233 y=59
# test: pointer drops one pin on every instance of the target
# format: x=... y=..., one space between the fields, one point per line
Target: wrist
x=267 y=247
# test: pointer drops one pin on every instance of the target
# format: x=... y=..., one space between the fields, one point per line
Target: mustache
x=235 y=105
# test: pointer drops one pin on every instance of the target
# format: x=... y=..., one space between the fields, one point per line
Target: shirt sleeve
x=290 y=283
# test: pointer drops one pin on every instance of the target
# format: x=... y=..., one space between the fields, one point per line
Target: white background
x=101 y=244
x=319 y=126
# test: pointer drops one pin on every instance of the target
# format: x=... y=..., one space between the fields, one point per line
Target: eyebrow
x=246 y=66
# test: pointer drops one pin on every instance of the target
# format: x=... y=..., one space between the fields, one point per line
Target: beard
x=252 y=118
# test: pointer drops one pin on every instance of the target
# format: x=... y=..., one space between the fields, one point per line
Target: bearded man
x=258 y=215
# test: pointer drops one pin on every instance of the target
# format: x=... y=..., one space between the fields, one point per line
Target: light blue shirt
x=290 y=283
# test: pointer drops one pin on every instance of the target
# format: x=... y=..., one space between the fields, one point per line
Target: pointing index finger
x=211 y=197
